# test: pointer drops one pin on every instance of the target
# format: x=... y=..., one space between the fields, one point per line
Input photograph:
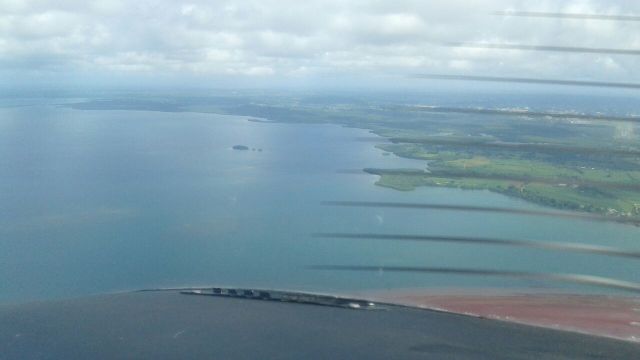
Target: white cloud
x=259 y=71
x=402 y=25
x=310 y=38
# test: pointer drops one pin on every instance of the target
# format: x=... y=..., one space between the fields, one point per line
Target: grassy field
x=605 y=191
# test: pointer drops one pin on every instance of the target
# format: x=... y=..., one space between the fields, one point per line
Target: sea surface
x=98 y=201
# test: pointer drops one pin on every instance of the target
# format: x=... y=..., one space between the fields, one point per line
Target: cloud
x=313 y=38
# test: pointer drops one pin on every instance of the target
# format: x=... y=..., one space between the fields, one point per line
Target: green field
x=606 y=191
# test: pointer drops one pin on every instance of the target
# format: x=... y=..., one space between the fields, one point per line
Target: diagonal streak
x=569 y=49
x=537 y=147
x=528 y=113
x=471 y=208
x=607 y=84
x=580 y=279
x=557 y=246
x=540 y=14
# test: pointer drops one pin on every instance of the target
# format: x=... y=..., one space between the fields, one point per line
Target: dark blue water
x=99 y=201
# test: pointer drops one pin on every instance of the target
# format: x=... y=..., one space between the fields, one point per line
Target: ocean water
x=102 y=201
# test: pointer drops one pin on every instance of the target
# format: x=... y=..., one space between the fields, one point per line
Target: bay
x=98 y=201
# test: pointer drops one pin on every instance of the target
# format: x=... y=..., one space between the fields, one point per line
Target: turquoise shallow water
x=100 y=201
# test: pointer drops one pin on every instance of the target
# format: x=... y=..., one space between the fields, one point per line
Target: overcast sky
x=307 y=40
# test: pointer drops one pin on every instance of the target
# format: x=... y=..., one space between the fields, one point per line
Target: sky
x=310 y=41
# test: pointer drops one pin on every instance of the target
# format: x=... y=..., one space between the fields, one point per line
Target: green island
x=567 y=160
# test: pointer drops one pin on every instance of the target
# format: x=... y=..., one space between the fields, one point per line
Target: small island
x=240 y=147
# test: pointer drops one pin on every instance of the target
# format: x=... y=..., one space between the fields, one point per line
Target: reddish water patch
x=610 y=316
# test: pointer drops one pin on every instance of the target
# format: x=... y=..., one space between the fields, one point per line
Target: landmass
x=565 y=159
x=240 y=147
